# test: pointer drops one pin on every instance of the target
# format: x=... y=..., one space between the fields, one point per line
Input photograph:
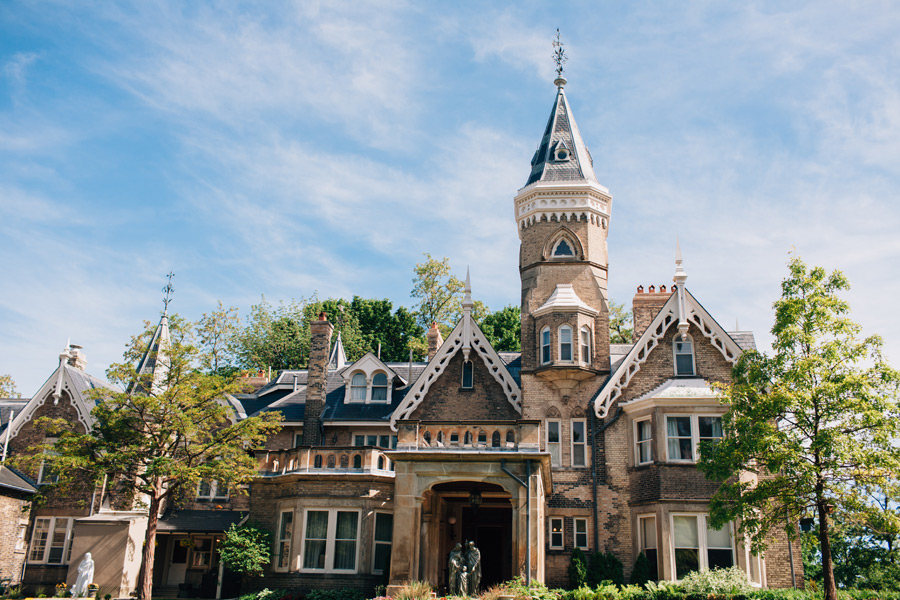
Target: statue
x=456 y=566
x=85 y=576
x=463 y=582
x=473 y=562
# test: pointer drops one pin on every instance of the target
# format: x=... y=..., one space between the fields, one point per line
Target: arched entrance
x=480 y=512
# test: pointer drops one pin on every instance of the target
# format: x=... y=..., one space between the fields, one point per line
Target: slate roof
x=12 y=480
x=7 y=406
x=85 y=381
x=199 y=521
x=744 y=339
x=561 y=129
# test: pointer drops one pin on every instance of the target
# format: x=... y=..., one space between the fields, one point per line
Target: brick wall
x=11 y=519
x=317 y=380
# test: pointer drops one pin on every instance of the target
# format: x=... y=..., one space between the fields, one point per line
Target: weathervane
x=559 y=56
x=168 y=289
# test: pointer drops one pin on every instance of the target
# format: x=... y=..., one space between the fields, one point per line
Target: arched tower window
x=563 y=248
x=357 y=461
x=545 y=345
x=684 y=355
x=510 y=437
x=565 y=343
x=495 y=439
x=467 y=374
x=379 y=387
x=358 y=388
x=586 y=345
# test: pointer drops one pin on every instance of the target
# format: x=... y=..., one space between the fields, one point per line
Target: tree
x=246 y=549
x=397 y=332
x=8 y=387
x=161 y=436
x=439 y=293
x=215 y=331
x=811 y=429
x=274 y=337
x=504 y=329
x=577 y=569
x=620 y=325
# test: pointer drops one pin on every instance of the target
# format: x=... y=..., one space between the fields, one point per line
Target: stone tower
x=562 y=215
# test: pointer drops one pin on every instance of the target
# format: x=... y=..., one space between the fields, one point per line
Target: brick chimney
x=645 y=307
x=434 y=340
x=77 y=357
x=319 y=345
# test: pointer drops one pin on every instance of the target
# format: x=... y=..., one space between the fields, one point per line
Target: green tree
x=438 y=291
x=640 y=574
x=577 y=569
x=215 y=332
x=817 y=421
x=160 y=437
x=396 y=331
x=620 y=325
x=274 y=337
x=8 y=387
x=246 y=549
x=504 y=329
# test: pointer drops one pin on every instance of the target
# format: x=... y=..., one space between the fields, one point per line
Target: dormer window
x=467 y=375
x=563 y=248
x=379 y=388
x=561 y=152
x=358 y=388
x=684 y=356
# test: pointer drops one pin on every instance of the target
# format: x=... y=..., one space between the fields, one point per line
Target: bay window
x=545 y=345
x=697 y=546
x=331 y=540
x=684 y=434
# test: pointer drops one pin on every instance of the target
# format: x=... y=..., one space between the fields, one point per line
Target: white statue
x=85 y=576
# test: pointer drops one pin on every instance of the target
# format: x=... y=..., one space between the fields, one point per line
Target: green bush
x=246 y=549
x=605 y=566
x=640 y=574
x=577 y=569
x=266 y=594
x=341 y=594
x=716 y=581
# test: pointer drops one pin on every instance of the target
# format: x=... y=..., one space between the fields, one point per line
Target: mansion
x=381 y=468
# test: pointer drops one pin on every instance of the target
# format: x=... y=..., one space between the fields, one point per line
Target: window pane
x=552 y=432
x=718 y=538
x=384 y=441
x=39 y=539
x=565 y=352
x=58 y=541
x=686 y=561
x=709 y=427
x=643 y=429
x=314 y=554
x=654 y=563
x=556 y=533
x=467 y=374
x=371 y=440
x=684 y=364
x=287 y=526
x=680 y=426
x=359 y=440
x=346 y=525
x=384 y=527
x=379 y=393
x=578 y=456
x=345 y=540
x=685 y=534
x=382 y=558
x=648 y=533
x=316 y=524
x=719 y=559
x=379 y=379
x=577 y=432
x=204 y=489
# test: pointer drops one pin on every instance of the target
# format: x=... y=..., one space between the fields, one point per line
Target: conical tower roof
x=562 y=155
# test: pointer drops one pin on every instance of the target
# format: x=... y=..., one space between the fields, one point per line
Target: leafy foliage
x=438 y=291
x=215 y=331
x=8 y=387
x=620 y=324
x=640 y=574
x=577 y=569
x=246 y=549
x=820 y=419
x=603 y=567
x=503 y=329
x=341 y=594
x=716 y=581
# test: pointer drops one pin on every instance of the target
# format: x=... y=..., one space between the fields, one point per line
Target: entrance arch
x=475 y=511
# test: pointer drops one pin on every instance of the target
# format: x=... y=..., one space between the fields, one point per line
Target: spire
x=679 y=279
x=154 y=364
x=467 y=303
x=562 y=155
x=338 y=358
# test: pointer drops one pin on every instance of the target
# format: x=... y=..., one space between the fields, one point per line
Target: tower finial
x=679 y=279
x=467 y=303
x=168 y=289
x=560 y=58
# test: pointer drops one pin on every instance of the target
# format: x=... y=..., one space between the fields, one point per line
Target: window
x=482 y=437
x=556 y=532
x=298 y=439
x=384 y=532
x=545 y=346
x=643 y=440
x=358 y=388
x=46 y=475
x=563 y=248
x=553 y=444
x=683 y=435
x=285 y=529
x=330 y=540
x=581 y=534
x=495 y=439
x=579 y=443
x=647 y=540
x=510 y=438
x=201 y=552
x=565 y=343
x=586 y=345
x=467 y=374
x=379 y=388
x=357 y=461
x=51 y=541
x=697 y=546
x=684 y=356
x=207 y=490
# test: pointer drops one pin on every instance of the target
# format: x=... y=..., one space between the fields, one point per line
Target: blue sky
x=290 y=148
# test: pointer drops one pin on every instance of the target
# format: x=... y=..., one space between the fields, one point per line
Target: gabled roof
x=667 y=318
x=466 y=337
x=12 y=480
x=561 y=131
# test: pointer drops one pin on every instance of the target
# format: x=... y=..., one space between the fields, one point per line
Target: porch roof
x=199 y=521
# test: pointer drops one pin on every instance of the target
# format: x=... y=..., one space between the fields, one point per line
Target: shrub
x=605 y=566
x=341 y=594
x=246 y=549
x=577 y=569
x=266 y=594
x=716 y=581
x=412 y=590
x=535 y=591
x=640 y=574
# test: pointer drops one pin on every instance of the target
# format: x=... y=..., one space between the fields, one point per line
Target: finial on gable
x=560 y=58
x=467 y=303
x=679 y=279
x=168 y=289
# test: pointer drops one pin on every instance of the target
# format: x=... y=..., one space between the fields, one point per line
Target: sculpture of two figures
x=465 y=570
x=85 y=576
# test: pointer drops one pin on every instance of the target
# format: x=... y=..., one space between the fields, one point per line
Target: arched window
x=357 y=461
x=565 y=343
x=684 y=355
x=482 y=437
x=586 y=345
x=563 y=248
x=379 y=388
x=331 y=461
x=495 y=439
x=358 y=388
x=381 y=461
x=467 y=375
x=317 y=463
x=345 y=461
x=427 y=437
x=440 y=437
x=545 y=345
x=468 y=438
x=510 y=437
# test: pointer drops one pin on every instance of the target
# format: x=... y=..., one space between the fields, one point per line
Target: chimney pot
x=652 y=289
x=662 y=288
x=323 y=316
x=640 y=289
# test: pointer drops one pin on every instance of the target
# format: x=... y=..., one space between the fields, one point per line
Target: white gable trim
x=666 y=317
x=452 y=345
x=61 y=377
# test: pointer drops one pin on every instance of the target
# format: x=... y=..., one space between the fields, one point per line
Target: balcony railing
x=499 y=436
x=325 y=460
